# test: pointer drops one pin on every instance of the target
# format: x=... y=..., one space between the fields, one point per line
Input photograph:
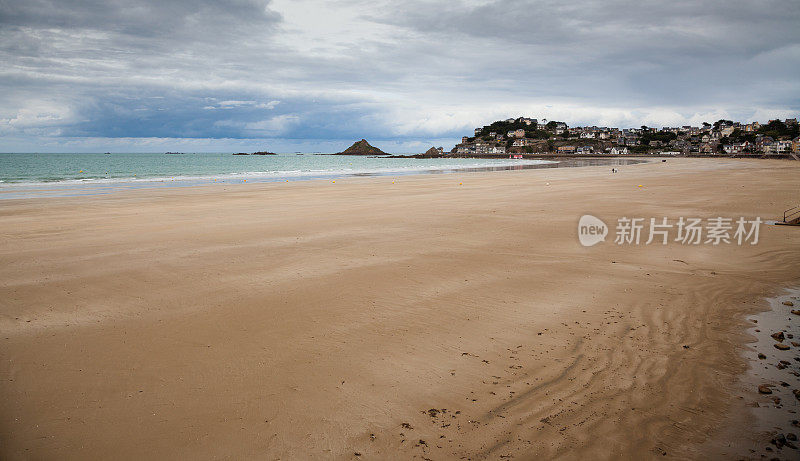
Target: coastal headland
x=433 y=316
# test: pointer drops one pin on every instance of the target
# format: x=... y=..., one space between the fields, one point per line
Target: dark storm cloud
x=308 y=69
x=680 y=49
x=79 y=37
x=688 y=28
x=165 y=18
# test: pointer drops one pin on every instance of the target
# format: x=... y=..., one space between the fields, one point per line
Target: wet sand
x=435 y=317
x=771 y=388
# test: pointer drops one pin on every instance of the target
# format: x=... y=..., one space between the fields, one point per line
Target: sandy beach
x=451 y=316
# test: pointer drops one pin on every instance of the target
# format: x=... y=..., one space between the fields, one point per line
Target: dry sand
x=316 y=320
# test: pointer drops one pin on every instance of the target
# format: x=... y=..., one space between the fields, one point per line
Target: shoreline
x=102 y=185
x=772 y=382
x=553 y=156
x=753 y=420
x=750 y=427
x=316 y=320
x=88 y=187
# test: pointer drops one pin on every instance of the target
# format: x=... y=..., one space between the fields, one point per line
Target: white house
x=783 y=147
x=736 y=148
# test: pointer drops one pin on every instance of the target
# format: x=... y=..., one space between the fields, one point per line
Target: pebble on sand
x=782 y=347
x=764 y=389
x=788 y=303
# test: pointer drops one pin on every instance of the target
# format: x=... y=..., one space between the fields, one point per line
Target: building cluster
x=528 y=135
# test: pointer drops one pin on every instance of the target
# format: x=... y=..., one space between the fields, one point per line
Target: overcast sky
x=312 y=75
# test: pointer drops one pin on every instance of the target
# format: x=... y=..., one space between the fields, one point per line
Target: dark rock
x=434 y=152
x=362 y=148
x=257 y=153
x=778 y=336
x=761 y=356
x=788 y=303
x=791 y=436
x=764 y=389
x=795 y=311
x=782 y=347
x=796 y=393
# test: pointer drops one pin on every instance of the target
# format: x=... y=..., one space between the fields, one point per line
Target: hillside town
x=724 y=137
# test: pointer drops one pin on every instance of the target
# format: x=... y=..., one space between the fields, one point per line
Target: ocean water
x=62 y=174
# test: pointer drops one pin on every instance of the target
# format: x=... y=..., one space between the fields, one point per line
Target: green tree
x=721 y=122
x=779 y=130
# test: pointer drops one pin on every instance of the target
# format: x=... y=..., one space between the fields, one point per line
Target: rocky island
x=433 y=152
x=256 y=153
x=361 y=148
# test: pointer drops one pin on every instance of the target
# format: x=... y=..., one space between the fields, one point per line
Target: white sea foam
x=274 y=174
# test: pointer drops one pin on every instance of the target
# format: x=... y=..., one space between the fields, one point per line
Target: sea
x=25 y=175
x=31 y=175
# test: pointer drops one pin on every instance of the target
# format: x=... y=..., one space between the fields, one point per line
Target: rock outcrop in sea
x=433 y=152
x=362 y=148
